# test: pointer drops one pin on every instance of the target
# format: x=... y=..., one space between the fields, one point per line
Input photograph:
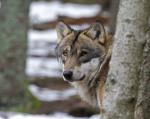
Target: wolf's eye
x=83 y=53
x=65 y=53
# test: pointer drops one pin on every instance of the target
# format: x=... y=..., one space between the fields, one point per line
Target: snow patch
x=53 y=116
x=48 y=11
x=46 y=35
x=43 y=67
x=45 y=94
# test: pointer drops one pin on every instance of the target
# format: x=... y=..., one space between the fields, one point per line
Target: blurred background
x=31 y=84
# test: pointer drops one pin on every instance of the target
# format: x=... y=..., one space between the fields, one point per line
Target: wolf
x=85 y=55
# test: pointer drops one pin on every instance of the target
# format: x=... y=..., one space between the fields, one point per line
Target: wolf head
x=81 y=52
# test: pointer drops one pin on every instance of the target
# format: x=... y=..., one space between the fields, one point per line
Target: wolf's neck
x=91 y=92
x=87 y=94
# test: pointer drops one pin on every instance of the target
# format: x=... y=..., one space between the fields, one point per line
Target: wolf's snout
x=68 y=75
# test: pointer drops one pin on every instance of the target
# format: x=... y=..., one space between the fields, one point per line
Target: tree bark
x=127 y=55
x=142 y=110
x=13 y=40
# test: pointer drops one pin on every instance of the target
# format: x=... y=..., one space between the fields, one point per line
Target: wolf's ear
x=97 y=31
x=62 y=30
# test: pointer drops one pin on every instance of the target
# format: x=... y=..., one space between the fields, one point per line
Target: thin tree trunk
x=123 y=78
x=113 y=12
x=13 y=40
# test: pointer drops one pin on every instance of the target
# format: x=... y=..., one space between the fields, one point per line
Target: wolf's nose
x=68 y=74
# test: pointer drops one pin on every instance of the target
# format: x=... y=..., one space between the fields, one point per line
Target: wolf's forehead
x=76 y=38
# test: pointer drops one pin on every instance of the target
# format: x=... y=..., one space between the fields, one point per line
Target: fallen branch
x=71 y=21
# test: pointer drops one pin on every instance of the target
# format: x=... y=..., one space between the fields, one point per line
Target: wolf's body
x=85 y=57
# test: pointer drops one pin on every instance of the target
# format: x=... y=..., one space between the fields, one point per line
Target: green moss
x=30 y=104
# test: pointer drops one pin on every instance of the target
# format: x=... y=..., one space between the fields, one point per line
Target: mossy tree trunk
x=13 y=40
x=127 y=90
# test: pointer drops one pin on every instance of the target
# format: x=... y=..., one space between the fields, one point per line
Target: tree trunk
x=124 y=75
x=13 y=38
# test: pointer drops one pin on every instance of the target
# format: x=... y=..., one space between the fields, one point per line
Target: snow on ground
x=42 y=66
x=46 y=35
x=45 y=94
x=42 y=43
x=48 y=11
x=30 y=116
